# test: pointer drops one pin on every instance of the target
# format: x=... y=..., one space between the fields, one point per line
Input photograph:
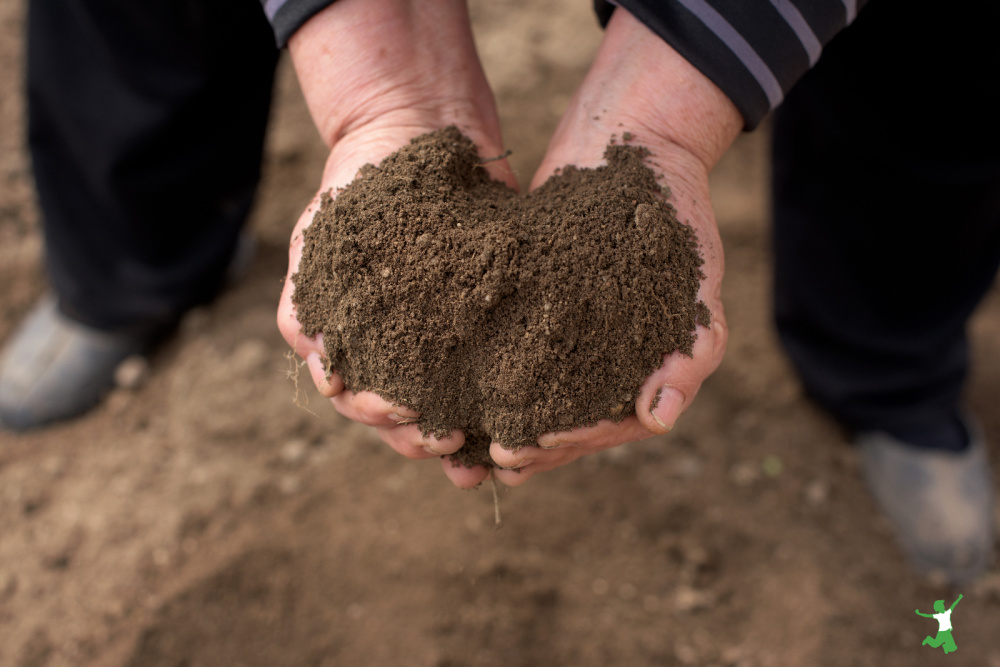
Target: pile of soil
x=504 y=316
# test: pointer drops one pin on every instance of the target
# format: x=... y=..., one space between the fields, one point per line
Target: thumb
x=669 y=390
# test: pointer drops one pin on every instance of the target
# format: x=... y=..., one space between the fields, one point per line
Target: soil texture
x=493 y=313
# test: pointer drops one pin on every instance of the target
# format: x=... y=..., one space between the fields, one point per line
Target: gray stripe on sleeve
x=740 y=47
x=797 y=22
x=271 y=8
x=851 y=7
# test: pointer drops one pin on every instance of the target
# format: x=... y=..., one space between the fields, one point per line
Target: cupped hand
x=639 y=84
x=375 y=74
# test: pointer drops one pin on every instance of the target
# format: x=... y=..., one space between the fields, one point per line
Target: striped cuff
x=753 y=50
x=287 y=16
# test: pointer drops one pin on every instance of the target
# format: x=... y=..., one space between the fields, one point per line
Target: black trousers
x=146 y=125
x=886 y=191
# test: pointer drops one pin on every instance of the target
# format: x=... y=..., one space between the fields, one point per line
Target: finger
x=511 y=458
x=408 y=441
x=329 y=385
x=500 y=170
x=369 y=408
x=288 y=324
x=401 y=443
x=602 y=435
x=462 y=477
x=670 y=390
x=546 y=461
x=536 y=458
x=557 y=449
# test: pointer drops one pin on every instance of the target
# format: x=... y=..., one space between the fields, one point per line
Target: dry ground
x=203 y=519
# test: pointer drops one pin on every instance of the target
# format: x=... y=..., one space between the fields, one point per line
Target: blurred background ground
x=203 y=519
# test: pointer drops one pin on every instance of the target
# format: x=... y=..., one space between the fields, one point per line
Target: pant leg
x=886 y=190
x=146 y=124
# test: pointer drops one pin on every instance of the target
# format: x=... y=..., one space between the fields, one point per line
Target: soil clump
x=503 y=315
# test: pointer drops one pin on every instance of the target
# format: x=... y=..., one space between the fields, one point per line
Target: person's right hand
x=639 y=84
x=375 y=74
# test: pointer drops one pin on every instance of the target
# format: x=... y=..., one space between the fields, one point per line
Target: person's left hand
x=375 y=74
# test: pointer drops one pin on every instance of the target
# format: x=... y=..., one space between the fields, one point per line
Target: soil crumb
x=505 y=316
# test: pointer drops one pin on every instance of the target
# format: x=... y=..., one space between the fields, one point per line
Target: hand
x=375 y=74
x=638 y=83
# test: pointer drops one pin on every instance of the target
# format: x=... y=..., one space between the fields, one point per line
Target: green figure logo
x=944 y=638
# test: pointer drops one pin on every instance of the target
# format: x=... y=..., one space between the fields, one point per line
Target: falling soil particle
x=501 y=315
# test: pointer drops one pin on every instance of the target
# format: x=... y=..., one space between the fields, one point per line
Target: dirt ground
x=204 y=519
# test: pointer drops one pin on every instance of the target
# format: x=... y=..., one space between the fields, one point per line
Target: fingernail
x=431 y=450
x=666 y=406
x=519 y=464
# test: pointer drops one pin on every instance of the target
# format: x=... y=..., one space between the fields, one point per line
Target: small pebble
x=744 y=473
x=695 y=554
x=686 y=653
x=687 y=599
x=817 y=492
x=294 y=451
x=290 y=485
x=731 y=655
x=474 y=523
x=132 y=373
x=687 y=467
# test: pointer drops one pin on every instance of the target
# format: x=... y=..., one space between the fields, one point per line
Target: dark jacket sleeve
x=753 y=50
x=286 y=16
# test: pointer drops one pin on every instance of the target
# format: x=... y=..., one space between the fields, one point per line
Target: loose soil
x=204 y=519
x=493 y=313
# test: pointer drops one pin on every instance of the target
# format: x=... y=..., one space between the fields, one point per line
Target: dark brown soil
x=501 y=315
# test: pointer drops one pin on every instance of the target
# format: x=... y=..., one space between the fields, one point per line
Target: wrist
x=366 y=63
x=660 y=93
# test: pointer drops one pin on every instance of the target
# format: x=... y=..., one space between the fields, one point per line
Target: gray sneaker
x=940 y=504
x=53 y=368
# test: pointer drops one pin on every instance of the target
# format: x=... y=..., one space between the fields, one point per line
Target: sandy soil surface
x=203 y=519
